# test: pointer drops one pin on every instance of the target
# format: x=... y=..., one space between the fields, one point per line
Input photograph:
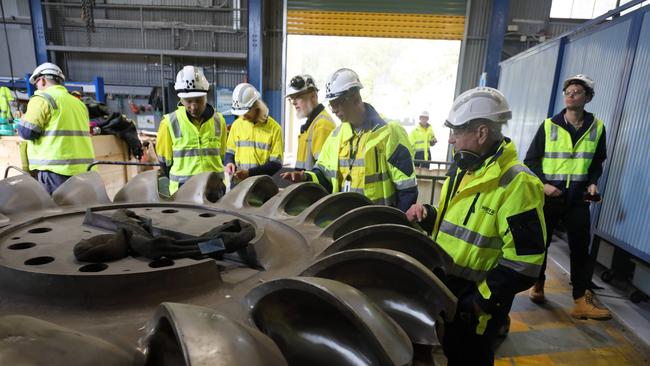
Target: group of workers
x=496 y=214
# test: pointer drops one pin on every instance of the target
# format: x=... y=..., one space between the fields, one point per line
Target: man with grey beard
x=303 y=94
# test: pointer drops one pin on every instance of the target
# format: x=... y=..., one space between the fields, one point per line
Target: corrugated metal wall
x=625 y=209
x=272 y=65
x=122 y=28
x=532 y=16
x=19 y=32
x=473 y=59
x=528 y=99
x=606 y=53
x=599 y=55
x=449 y=7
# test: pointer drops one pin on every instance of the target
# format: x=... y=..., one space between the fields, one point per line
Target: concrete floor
x=547 y=335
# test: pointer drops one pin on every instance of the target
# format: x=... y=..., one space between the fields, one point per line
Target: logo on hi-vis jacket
x=489 y=211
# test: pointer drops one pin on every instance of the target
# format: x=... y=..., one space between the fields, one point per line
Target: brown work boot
x=586 y=308
x=536 y=293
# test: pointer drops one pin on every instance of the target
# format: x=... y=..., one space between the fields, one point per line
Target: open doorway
x=401 y=78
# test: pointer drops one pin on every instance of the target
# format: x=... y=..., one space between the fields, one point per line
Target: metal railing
x=433 y=178
x=15 y=168
x=102 y=162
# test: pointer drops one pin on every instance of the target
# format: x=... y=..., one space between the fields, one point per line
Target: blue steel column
x=497 y=31
x=38 y=31
x=557 y=83
x=30 y=88
x=255 y=44
x=100 y=95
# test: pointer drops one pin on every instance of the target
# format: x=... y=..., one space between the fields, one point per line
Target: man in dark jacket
x=567 y=154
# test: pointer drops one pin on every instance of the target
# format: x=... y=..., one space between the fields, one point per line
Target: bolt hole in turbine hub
x=42 y=263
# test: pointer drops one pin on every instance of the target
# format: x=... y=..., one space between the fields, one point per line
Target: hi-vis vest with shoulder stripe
x=475 y=227
x=420 y=138
x=371 y=174
x=311 y=141
x=564 y=162
x=194 y=150
x=65 y=146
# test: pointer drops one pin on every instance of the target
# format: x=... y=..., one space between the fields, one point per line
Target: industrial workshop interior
x=324 y=182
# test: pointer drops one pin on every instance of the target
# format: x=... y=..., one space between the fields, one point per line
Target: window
x=587 y=9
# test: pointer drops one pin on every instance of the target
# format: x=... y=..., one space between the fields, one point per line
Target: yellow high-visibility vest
x=65 y=146
x=564 y=162
x=195 y=149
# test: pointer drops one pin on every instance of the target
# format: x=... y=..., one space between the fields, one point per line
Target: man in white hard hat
x=57 y=130
x=422 y=137
x=303 y=94
x=490 y=222
x=567 y=154
x=255 y=138
x=192 y=139
x=365 y=154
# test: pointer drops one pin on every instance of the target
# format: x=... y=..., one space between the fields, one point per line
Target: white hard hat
x=300 y=84
x=46 y=68
x=424 y=114
x=191 y=83
x=586 y=80
x=341 y=81
x=482 y=102
x=243 y=98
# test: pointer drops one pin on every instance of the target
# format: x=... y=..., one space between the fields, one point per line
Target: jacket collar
x=559 y=120
x=503 y=154
x=205 y=116
x=319 y=108
x=371 y=119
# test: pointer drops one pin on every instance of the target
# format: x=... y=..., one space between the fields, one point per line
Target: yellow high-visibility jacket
x=310 y=142
x=491 y=223
x=255 y=144
x=420 y=138
x=376 y=161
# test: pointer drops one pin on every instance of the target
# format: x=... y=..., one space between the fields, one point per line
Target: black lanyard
x=354 y=150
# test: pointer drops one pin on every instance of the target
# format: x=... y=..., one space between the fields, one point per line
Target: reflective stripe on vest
x=195 y=149
x=255 y=144
x=564 y=162
x=65 y=146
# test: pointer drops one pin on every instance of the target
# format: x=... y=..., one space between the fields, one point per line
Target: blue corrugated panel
x=527 y=82
x=601 y=56
x=624 y=213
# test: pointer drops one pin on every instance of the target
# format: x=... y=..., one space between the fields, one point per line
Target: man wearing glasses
x=567 y=154
x=56 y=127
x=489 y=222
x=303 y=94
x=365 y=154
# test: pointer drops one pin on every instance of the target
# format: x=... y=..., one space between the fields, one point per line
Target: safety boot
x=585 y=308
x=536 y=293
